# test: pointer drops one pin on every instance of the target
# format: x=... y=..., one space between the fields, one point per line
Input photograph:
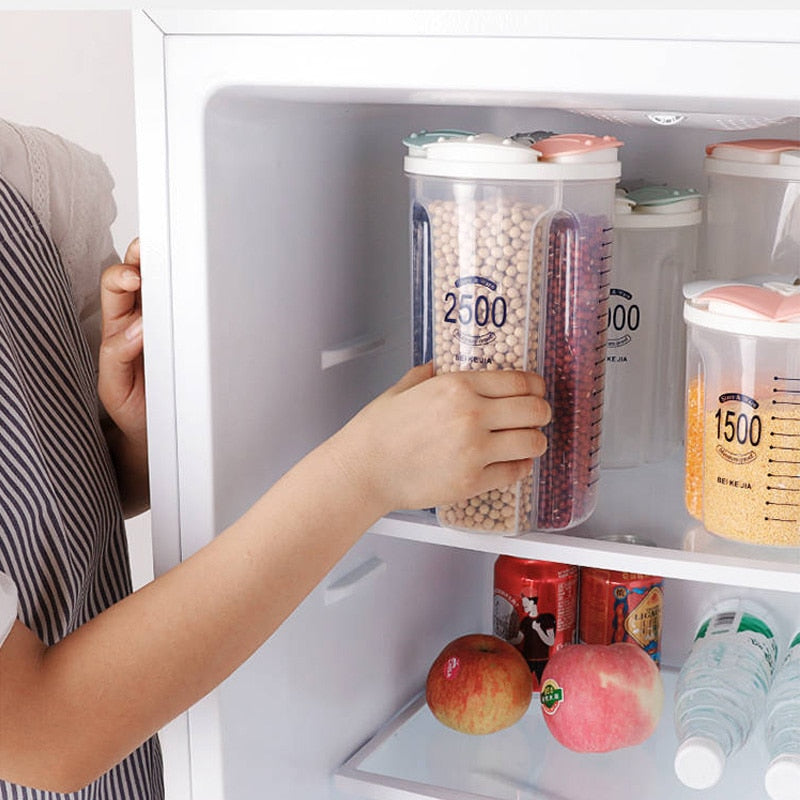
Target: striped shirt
x=62 y=535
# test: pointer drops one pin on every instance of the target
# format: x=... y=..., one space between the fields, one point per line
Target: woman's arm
x=71 y=711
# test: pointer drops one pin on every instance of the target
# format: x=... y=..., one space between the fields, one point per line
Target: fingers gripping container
x=743 y=409
x=656 y=230
x=753 y=208
x=511 y=248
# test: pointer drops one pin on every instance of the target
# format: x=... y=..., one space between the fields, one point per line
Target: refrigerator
x=274 y=222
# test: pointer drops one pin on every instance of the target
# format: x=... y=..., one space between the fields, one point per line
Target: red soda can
x=535 y=608
x=621 y=607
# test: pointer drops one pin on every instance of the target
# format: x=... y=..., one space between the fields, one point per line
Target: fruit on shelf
x=601 y=697
x=479 y=684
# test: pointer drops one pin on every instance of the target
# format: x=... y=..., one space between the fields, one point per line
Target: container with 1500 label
x=743 y=414
x=510 y=271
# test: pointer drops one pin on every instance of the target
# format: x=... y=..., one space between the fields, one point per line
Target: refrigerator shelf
x=415 y=756
x=643 y=502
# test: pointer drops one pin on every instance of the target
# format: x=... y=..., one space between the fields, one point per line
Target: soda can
x=621 y=607
x=535 y=608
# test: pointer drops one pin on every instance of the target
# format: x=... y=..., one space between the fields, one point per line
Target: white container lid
x=774 y=159
x=658 y=207
x=699 y=762
x=782 y=777
x=484 y=156
x=767 y=307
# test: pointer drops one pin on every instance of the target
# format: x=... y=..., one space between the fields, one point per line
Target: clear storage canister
x=753 y=208
x=655 y=253
x=743 y=409
x=511 y=247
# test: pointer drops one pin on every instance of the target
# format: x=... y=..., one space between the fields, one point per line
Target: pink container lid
x=762 y=306
x=758 y=145
x=565 y=145
x=778 y=302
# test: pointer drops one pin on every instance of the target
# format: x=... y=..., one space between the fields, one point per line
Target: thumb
x=413 y=377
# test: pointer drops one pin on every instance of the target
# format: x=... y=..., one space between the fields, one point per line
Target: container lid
x=487 y=156
x=531 y=137
x=418 y=139
x=783 y=776
x=758 y=307
x=565 y=148
x=658 y=206
x=776 y=159
x=699 y=762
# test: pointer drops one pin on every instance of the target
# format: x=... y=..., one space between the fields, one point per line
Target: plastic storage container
x=753 y=208
x=743 y=409
x=782 y=730
x=656 y=232
x=721 y=689
x=511 y=247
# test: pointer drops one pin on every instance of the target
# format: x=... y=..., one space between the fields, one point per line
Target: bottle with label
x=782 y=778
x=722 y=689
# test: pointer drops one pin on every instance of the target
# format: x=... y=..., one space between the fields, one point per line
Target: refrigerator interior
x=294 y=314
x=308 y=271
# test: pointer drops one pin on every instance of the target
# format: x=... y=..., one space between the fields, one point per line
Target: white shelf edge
x=570 y=549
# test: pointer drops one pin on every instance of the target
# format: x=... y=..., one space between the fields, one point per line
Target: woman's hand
x=120 y=383
x=429 y=441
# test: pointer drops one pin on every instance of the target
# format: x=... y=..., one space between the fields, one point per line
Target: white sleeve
x=8 y=606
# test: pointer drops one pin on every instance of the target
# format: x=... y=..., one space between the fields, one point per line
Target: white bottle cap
x=699 y=762
x=783 y=777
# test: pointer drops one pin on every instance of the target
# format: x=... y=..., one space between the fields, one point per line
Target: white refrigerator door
x=275 y=258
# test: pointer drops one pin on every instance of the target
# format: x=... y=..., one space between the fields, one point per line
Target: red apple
x=600 y=697
x=479 y=684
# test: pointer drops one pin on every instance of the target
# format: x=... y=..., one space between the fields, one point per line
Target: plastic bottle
x=782 y=779
x=722 y=689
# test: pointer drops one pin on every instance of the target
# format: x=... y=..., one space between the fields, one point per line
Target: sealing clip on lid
x=418 y=139
x=658 y=206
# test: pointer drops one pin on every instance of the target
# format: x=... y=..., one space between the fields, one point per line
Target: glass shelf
x=415 y=756
x=643 y=502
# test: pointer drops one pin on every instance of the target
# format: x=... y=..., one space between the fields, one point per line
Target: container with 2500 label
x=510 y=271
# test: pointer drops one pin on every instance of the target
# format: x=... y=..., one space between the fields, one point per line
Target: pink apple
x=600 y=697
x=479 y=684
